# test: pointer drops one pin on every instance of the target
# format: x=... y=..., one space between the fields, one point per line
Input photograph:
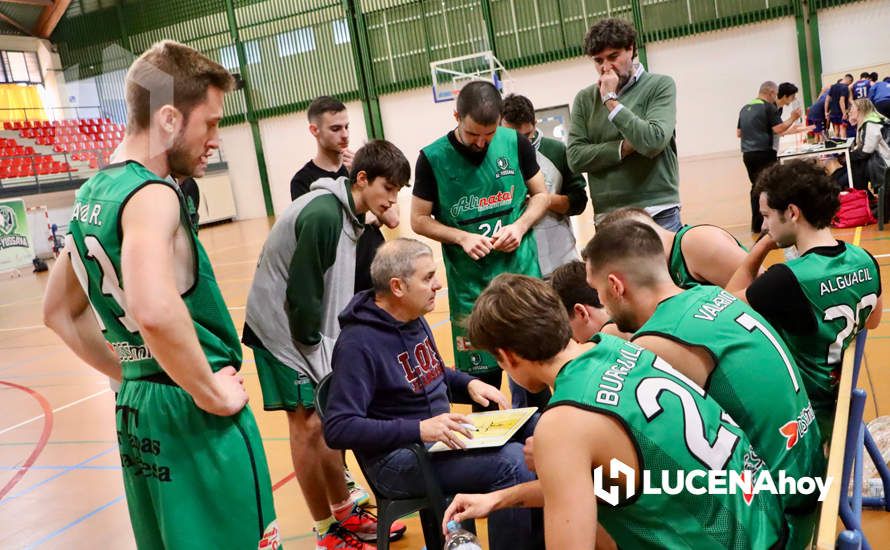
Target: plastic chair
x=431 y=506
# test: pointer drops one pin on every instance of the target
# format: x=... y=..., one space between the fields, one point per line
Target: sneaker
x=338 y=538
x=357 y=494
x=363 y=524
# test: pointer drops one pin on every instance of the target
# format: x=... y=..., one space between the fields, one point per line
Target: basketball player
x=304 y=279
x=134 y=296
x=329 y=125
x=568 y=191
x=819 y=301
x=719 y=343
x=470 y=193
x=614 y=401
x=696 y=254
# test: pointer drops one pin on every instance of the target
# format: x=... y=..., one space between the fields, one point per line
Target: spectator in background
x=873 y=77
x=860 y=88
x=759 y=123
x=622 y=131
x=837 y=104
x=786 y=96
x=816 y=115
x=880 y=96
x=870 y=154
x=568 y=197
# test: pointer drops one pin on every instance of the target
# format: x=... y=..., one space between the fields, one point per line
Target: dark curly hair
x=803 y=184
x=518 y=110
x=610 y=33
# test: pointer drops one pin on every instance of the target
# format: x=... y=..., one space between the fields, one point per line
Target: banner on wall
x=16 y=246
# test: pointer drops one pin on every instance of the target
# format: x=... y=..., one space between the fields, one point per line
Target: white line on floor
x=31 y=327
x=62 y=408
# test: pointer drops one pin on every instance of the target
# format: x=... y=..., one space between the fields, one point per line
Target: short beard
x=625 y=323
x=179 y=159
x=624 y=79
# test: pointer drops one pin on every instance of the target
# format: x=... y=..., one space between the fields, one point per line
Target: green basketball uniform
x=842 y=291
x=677 y=263
x=479 y=199
x=654 y=403
x=177 y=459
x=755 y=379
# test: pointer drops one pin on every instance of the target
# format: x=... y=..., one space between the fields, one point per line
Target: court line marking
x=57 y=467
x=62 y=408
x=41 y=442
x=30 y=360
x=56 y=476
x=33 y=300
x=29 y=327
x=84 y=517
x=62 y=442
x=59 y=531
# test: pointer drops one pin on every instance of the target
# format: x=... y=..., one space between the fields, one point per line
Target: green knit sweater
x=647 y=177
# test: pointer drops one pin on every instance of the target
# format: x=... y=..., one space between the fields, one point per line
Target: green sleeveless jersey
x=842 y=291
x=755 y=379
x=677 y=263
x=94 y=233
x=479 y=199
x=674 y=426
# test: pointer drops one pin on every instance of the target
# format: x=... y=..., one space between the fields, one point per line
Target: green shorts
x=466 y=359
x=192 y=478
x=284 y=389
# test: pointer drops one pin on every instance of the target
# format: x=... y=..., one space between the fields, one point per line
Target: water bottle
x=460 y=539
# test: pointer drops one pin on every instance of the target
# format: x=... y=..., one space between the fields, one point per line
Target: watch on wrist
x=608 y=96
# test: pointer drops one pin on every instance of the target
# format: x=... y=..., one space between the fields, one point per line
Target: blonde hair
x=865 y=108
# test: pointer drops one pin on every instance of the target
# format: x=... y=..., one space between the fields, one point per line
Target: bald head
x=769 y=87
x=396 y=259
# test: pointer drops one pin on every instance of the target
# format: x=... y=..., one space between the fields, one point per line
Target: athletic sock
x=323 y=526
x=342 y=509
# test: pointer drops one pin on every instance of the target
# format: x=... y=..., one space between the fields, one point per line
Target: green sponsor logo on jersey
x=503 y=168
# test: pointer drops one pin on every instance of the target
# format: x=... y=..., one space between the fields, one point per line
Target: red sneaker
x=338 y=538
x=363 y=524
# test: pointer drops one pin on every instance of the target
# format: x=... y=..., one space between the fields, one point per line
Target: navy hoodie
x=388 y=376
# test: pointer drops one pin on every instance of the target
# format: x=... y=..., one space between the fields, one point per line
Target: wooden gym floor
x=60 y=480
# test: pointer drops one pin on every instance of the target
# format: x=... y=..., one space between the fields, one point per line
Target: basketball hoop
x=451 y=75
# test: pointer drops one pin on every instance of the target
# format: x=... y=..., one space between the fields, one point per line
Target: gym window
x=20 y=68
